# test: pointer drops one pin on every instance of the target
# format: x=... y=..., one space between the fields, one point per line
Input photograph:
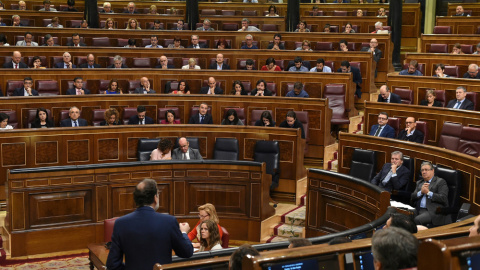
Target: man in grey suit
x=145 y=89
x=183 y=152
x=206 y=26
x=431 y=192
x=27 y=40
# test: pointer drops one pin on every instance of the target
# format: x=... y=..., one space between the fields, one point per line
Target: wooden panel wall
x=427 y=40
x=460 y=25
x=429 y=60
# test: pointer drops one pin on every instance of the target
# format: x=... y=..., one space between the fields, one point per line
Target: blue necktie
x=75 y=123
x=202 y=120
x=457 y=105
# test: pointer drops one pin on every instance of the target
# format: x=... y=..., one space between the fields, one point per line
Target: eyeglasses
x=382 y=118
x=202 y=217
x=409 y=122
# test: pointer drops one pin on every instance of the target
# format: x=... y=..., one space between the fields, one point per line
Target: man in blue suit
x=387 y=96
x=382 y=129
x=393 y=175
x=146 y=237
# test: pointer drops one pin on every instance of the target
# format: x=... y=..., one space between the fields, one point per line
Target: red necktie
x=16 y=66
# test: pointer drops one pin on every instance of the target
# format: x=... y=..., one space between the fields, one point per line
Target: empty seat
x=248 y=87
x=240 y=113
x=405 y=94
x=122 y=42
x=269 y=27
x=450 y=136
x=452 y=71
x=467 y=48
x=145 y=148
x=472 y=96
x=73 y=23
x=272 y=87
x=249 y=13
x=330 y=64
x=98 y=116
x=47 y=87
x=336 y=101
x=46 y=22
x=442 y=30
x=256 y=115
x=438 y=48
x=101 y=41
x=208 y=12
x=12 y=121
x=230 y=27
x=12 y=85
x=269 y=152
x=302 y=116
x=441 y=97
x=103 y=86
x=228 y=12
x=351 y=47
x=225 y=237
x=226 y=149
x=422 y=126
x=334 y=28
x=141 y=63
x=127 y=113
x=161 y=114
x=340 y=13
x=324 y=46
x=395 y=123
x=363 y=164
x=108 y=229
x=454 y=183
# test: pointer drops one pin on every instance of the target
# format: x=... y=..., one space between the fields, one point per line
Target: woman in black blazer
x=430 y=99
x=42 y=120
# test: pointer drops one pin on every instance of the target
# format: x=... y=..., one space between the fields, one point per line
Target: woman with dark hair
x=176 y=43
x=440 y=71
x=170 y=118
x=272 y=11
x=231 y=118
x=222 y=44
x=238 y=89
x=302 y=27
x=270 y=65
x=3 y=39
x=42 y=120
x=163 y=151
x=266 y=120
x=112 y=118
x=261 y=89
x=113 y=88
x=205 y=212
x=292 y=122
x=210 y=236
x=183 y=88
x=348 y=28
x=37 y=62
x=4 y=121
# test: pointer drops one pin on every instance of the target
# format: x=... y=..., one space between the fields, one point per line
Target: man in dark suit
x=75 y=42
x=410 y=133
x=74 y=120
x=277 y=43
x=393 y=175
x=163 y=60
x=387 y=96
x=107 y=8
x=117 y=62
x=195 y=44
x=140 y=118
x=26 y=90
x=202 y=117
x=382 y=129
x=78 y=88
x=212 y=88
x=357 y=77
x=145 y=237
x=131 y=9
x=67 y=62
x=431 y=192
x=377 y=53
x=472 y=72
x=179 y=27
x=219 y=64
x=206 y=26
x=15 y=63
x=461 y=102
x=145 y=89
x=459 y=11
x=184 y=152
x=90 y=62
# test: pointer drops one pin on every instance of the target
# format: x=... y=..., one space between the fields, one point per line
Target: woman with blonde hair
x=112 y=118
x=205 y=212
x=210 y=236
x=153 y=10
x=133 y=24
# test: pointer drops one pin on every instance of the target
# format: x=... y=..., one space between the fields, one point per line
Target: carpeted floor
x=69 y=262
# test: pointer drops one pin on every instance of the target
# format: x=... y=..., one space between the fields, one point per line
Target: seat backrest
x=441 y=97
x=141 y=62
x=228 y=12
x=469 y=141
x=47 y=88
x=450 y=136
x=12 y=85
x=442 y=30
x=272 y=87
x=335 y=93
x=409 y=163
x=302 y=116
x=422 y=126
x=208 y=12
x=98 y=115
x=269 y=27
x=395 y=123
x=256 y=115
x=225 y=237
x=330 y=64
x=452 y=71
x=268 y=152
x=340 y=13
x=161 y=113
x=438 y=48
x=472 y=96
x=145 y=148
x=226 y=149
x=454 y=183
x=363 y=164
x=248 y=87
x=319 y=13
x=241 y=63
x=108 y=229
x=127 y=113
x=249 y=13
x=467 y=48
x=240 y=113
x=13 y=120
x=230 y=26
x=101 y=41
x=351 y=47
x=357 y=65
x=405 y=94
x=132 y=85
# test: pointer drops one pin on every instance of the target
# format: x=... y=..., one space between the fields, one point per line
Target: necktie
x=387 y=178
x=16 y=66
x=184 y=156
x=75 y=123
x=457 y=105
x=378 y=131
x=202 y=120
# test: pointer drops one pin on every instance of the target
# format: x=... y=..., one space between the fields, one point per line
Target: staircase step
x=286 y=230
x=295 y=216
x=276 y=238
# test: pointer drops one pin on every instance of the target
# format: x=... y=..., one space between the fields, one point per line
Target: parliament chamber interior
x=282 y=156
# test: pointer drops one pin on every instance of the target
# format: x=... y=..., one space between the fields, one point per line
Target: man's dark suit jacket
x=394 y=98
x=196 y=119
x=439 y=199
x=68 y=122
x=73 y=92
x=81 y=44
x=145 y=238
x=139 y=90
x=417 y=136
x=134 y=120
x=85 y=65
x=113 y=66
x=194 y=154
x=280 y=46
x=46 y=45
x=202 y=46
x=218 y=90
x=169 y=66
x=62 y=65
x=467 y=76
x=10 y=65
x=376 y=56
x=396 y=182
x=357 y=79
x=387 y=131
x=466 y=104
x=20 y=92
x=224 y=66
x=134 y=12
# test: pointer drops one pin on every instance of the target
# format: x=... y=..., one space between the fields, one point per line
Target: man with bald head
x=22 y=5
x=163 y=60
x=184 y=152
x=131 y=8
x=145 y=87
x=219 y=63
x=16 y=61
x=459 y=11
x=212 y=88
x=67 y=62
x=410 y=133
x=472 y=72
x=90 y=62
x=387 y=96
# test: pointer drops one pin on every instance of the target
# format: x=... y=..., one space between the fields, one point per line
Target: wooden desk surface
x=98 y=254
